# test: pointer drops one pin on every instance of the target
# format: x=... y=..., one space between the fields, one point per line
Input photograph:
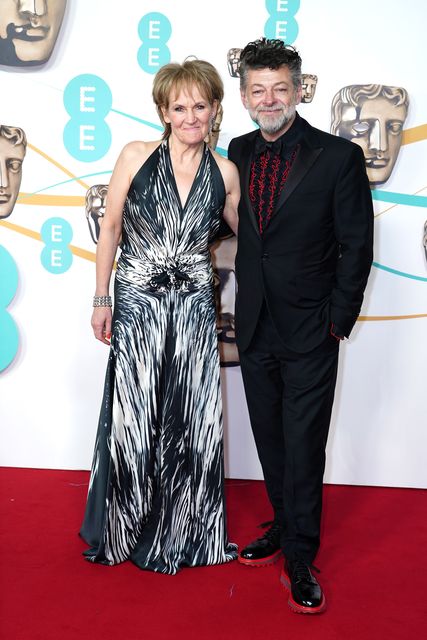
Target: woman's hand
x=101 y=324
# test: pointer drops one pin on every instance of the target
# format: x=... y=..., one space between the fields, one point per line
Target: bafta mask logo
x=28 y=30
x=213 y=135
x=223 y=256
x=308 y=85
x=233 y=61
x=95 y=203
x=13 y=145
x=372 y=115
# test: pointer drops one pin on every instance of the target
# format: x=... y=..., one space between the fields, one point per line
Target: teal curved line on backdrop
x=402 y=274
x=57 y=184
x=399 y=198
x=128 y=115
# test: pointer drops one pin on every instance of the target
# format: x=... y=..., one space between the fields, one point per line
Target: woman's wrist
x=102 y=301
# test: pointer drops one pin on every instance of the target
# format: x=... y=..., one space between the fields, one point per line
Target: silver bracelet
x=102 y=301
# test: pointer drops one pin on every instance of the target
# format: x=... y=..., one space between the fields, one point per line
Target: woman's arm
x=110 y=233
x=232 y=187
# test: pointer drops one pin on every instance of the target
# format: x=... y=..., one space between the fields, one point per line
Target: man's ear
x=244 y=98
x=298 y=94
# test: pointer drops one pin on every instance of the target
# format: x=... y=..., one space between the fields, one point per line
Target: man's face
x=271 y=98
x=32 y=26
x=223 y=257
x=308 y=84
x=375 y=125
x=11 y=158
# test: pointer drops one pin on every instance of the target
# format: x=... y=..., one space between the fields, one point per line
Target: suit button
x=264 y=257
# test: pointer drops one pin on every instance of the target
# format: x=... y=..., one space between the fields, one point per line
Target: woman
x=156 y=489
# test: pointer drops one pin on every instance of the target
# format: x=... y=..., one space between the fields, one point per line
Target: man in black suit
x=303 y=259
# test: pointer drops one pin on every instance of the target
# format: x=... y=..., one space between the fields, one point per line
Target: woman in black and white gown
x=156 y=493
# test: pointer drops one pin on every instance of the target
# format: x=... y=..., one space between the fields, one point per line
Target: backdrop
x=76 y=81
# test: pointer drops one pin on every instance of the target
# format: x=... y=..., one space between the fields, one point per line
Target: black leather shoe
x=264 y=550
x=305 y=593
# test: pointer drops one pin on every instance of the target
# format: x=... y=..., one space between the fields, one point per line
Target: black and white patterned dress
x=156 y=492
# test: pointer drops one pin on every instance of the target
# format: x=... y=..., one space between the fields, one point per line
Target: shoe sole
x=261 y=562
x=299 y=608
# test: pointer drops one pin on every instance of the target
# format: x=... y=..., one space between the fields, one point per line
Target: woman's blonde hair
x=172 y=77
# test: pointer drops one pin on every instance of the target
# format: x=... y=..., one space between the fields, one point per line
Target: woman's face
x=189 y=115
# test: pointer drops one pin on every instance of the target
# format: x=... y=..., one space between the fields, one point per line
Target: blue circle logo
x=154 y=30
x=281 y=24
x=9 y=336
x=56 y=256
x=88 y=100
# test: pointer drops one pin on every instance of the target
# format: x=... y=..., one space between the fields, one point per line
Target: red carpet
x=373 y=563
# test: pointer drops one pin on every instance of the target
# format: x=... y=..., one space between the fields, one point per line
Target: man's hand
x=335 y=331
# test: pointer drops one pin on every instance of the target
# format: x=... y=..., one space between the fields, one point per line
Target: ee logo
x=154 y=30
x=88 y=100
x=281 y=24
x=9 y=337
x=56 y=256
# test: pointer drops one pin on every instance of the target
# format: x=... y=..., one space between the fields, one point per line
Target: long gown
x=156 y=493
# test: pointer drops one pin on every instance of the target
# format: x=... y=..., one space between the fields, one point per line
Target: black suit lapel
x=246 y=156
x=303 y=162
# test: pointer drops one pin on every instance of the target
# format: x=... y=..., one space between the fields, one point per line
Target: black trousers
x=290 y=399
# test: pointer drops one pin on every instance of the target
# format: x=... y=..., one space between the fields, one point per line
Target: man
x=28 y=30
x=372 y=116
x=13 y=145
x=303 y=259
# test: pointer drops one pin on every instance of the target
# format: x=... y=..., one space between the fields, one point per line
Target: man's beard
x=273 y=125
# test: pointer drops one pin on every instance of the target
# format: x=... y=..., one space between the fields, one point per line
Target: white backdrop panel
x=51 y=392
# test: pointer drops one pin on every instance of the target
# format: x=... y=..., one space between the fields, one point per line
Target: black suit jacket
x=312 y=262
